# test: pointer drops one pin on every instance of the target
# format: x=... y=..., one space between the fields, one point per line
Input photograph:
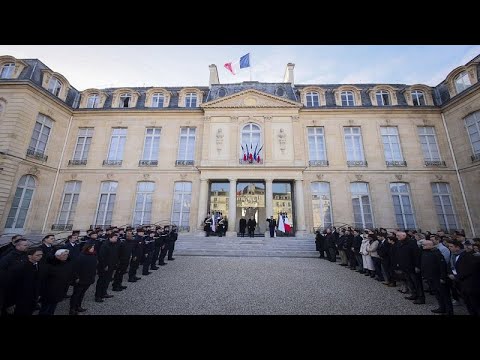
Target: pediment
x=251 y=99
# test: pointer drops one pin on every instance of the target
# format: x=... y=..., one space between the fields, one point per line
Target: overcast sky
x=101 y=66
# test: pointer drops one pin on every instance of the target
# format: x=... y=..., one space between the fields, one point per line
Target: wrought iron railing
x=112 y=162
x=148 y=163
x=62 y=227
x=37 y=155
x=77 y=162
x=184 y=163
x=435 y=163
x=396 y=163
x=357 y=163
x=318 y=163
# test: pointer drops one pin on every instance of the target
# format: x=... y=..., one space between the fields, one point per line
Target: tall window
x=143 y=203
x=71 y=192
x=444 y=205
x=383 y=98
x=418 y=98
x=322 y=205
x=182 y=199
x=316 y=143
x=186 y=147
x=251 y=136
x=391 y=144
x=54 y=86
x=191 y=100
x=41 y=133
x=125 y=100
x=7 y=71
x=402 y=205
x=353 y=144
x=20 y=204
x=347 y=98
x=117 y=144
x=158 y=100
x=362 y=208
x=312 y=99
x=428 y=140
x=84 y=140
x=152 y=144
x=93 y=100
x=462 y=82
x=472 y=123
x=106 y=202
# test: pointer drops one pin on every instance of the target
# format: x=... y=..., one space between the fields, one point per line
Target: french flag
x=243 y=63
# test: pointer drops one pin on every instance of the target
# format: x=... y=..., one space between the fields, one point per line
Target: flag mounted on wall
x=243 y=63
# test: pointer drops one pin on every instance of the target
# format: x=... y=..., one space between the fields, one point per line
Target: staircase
x=190 y=245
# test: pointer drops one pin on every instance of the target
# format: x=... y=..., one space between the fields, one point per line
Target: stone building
x=365 y=155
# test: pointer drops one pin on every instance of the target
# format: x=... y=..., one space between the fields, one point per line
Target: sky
x=103 y=66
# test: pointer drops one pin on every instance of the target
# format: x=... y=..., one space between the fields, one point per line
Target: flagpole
x=250 y=67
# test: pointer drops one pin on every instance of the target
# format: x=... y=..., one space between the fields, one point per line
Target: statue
x=219 y=140
x=282 y=139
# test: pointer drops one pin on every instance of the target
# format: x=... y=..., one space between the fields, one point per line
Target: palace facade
x=364 y=155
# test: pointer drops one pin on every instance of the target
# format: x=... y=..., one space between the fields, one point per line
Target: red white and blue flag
x=234 y=66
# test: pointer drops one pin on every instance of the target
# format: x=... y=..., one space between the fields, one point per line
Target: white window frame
x=156 y=100
x=401 y=196
x=121 y=139
x=389 y=134
x=191 y=134
x=312 y=99
x=322 y=195
x=380 y=94
x=182 y=193
x=415 y=96
x=54 y=86
x=430 y=140
x=349 y=135
x=45 y=122
x=122 y=98
x=85 y=134
x=108 y=192
x=8 y=70
x=155 y=136
x=71 y=204
x=442 y=216
x=191 y=99
x=318 y=135
x=93 y=101
x=349 y=98
x=462 y=82
x=360 y=195
x=250 y=132
x=26 y=186
x=476 y=126
x=147 y=196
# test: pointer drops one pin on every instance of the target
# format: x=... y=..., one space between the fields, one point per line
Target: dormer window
x=125 y=100
x=383 y=98
x=347 y=98
x=54 y=86
x=93 y=101
x=191 y=100
x=418 y=98
x=313 y=99
x=462 y=82
x=280 y=92
x=7 y=71
x=222 y=92
x=158 y=100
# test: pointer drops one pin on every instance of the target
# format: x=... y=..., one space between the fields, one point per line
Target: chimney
x=213 y=75
x=289 y=73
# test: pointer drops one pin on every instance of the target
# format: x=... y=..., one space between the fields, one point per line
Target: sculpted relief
x=282 y=139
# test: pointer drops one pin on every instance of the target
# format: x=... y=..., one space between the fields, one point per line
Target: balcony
x=475 y=157
x=394 y=163
x=250 y=162
x=318 y=163
x=112 y=162
x=355 y=163
x=62 y=227
x=435 y=163
x=37 y=155
x=148 y=163
x=77 y=162
x=103 y=227
x=184 y=163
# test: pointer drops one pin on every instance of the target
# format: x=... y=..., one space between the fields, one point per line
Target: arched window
x=222 y=92
x=462 y=82
x=54 y=86
x=182 y=199
x=191 y=100
x=251 y=137
x=472 y=123
x=142 y=214
x=20 y=204
x=348 y=98
x=321 y=205
x=383 y=98
x=313 y=99
x=442 y=198
x=418 y=98
x=403 y=206
x=7 y=71
x=362 y=207
x=92 y=102
x=125 y=100
x=158 y=100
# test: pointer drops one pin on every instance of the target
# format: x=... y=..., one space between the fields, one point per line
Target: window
x=71 y=192
x=383 y=98
x=313 y=99
x=316 y=144
x=347 y=98
x=7 y=71
x=402 y=206
x=41 y=133
x=472 y=123
x=93 y=100
x=125 y=100
x=117 y=144
x=321 y=205
x=143 y=203
x=152 y=144
x=222 y=92
x=428 y=140
x=186 y=147
x=280 y=91
x=391 y=145
x=251 y=136
x=106 y=202
x=462 y=82
x=54 y=86
x=442 y=199
x=84 y=140
x=20 y=204
x=362 y=208
x=353 y=144
x=418 y=98
x=191 y=100
x=158 y=100
x=182 y=198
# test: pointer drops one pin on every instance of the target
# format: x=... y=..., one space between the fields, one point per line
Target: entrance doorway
x=251 y=204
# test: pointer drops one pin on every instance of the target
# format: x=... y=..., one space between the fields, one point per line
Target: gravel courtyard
x=253 y=285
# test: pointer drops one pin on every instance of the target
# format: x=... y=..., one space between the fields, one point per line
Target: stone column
x=202 y=205
x=299 y=209
x=269 y=202
x=232 y=209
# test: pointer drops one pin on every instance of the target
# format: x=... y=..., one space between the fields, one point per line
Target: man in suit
x=242 y=226
x=272 y=224
x=251 y=224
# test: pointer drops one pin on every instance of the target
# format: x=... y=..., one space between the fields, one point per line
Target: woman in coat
x=84 y=270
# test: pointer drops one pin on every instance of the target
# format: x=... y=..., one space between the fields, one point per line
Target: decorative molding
x=282 y=139
x=219 y=137
x=438 y=176
x=234 y=118
x=50 y=112
x=295 y=118
x=110 y=176
x=183 y=176
x=267 y=118
x=208 y=118
x=398 y=176
x=146 y=176
x=34 y=170
x=388 y=121
x=251 y=98
x=73 y=176
x=320 y=176
x=351 y=122
x=359 y=177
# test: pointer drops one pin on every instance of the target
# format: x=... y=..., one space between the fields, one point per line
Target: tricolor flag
x=288 y=227
x=234 y=66
x=280 y=223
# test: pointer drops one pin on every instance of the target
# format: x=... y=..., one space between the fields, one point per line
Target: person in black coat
x=148 y=249
x=4 y=250
x=173 y=236
x=356 y=244
x=135 y=243
x=330 y=245
x=272 y=224
x=124 y=255
x=251 y=224
x=242 y=226
x=47 y=248
x=84 y=269
x=383 y=250
x=107 y=263
x=319 y=244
